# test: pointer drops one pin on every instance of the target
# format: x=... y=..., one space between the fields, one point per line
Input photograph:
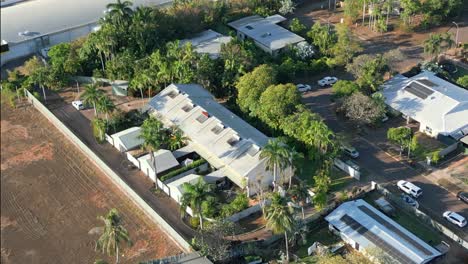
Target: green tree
x=463 y=81
x=176 y=138
x=299 y=194
x=276 y=157
x=194 y=195
x=351 y=10
x=91 y=95
x=287 y=6
x=105 y=105
x=99 y=129
x=120 y=11
x=346 y=46
x=322 y=186
x=280 y=218
x=154 y=136
x=251 y=86
x=113 y=234
x=436 y=43
x=369 y=71
x=64 y=59
x=362 y=109
x=296 y=26
x=401 y=136
x=294 y=160
x=322 y=37
x=344 y=88
x=277 y=102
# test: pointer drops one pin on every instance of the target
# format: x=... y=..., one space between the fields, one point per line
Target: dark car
x=463 y=196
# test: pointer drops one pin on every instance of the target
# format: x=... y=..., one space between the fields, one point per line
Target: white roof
x=266 y=31
x=129 y=138
x=164 y=160
x=445 y=109
x=47 y=16
x=208 y=42
x=214 y=138
x=370 y=228
x=176 y=186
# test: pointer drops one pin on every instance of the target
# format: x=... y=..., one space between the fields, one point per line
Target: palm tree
x=91 y=95
x=280 y=218
x=153 y=135
x=299 y=193
x=275 y=154
x=120 y=11
x=294 y=157
x=113 y=234
x=433 y=45
x=105 y=105
x=176 y=139
x=193 y=197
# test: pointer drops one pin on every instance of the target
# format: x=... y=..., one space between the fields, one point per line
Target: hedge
x=178 y=171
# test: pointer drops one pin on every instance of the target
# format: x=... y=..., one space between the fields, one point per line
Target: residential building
x=265 y=32
x=228 y=143
x=368 y=230
x=164 y=160
x=127 y=139
x=439 y=106
x=208 y=42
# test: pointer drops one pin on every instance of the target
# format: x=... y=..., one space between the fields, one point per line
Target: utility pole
x=456 y=36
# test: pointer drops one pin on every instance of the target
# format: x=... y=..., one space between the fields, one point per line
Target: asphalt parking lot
x=383 y=167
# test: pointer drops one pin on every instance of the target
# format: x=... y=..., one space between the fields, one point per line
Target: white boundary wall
x=348 y=169
x=110 y=173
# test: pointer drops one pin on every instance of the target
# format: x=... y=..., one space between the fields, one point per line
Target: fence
x=244 y=213
x=353 y=172
x=109 y=172
x=423 y=217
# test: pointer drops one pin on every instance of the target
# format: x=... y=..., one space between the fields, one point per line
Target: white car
x=78 y=105
x=303 y=88
x=409 y=188
x=327 y=81
x=455 y=218
x=351 y=151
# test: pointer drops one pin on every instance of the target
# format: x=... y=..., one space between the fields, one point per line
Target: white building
x=208 y=42
x=164 y=161
x=227 y=142
x=30 y=26
x=127 y=139
x=438 y=105
x=366 y=228
x=265 y=32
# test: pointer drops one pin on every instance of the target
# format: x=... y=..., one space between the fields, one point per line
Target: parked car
x=303 y=88
x=463 y=196
x=409 y=201
x=327 y=81
x=78 y=105
x=385 y=206
x=409 y=188
x=455 y=218
x=351 y=151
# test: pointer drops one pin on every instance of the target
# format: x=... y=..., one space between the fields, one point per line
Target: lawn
x=317 y=233
x=409 y=221
x=340 y=180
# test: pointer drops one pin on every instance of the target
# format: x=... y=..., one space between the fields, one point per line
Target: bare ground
x=51 y=196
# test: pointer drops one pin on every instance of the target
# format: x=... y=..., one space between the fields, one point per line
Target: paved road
x=381 y=166
x=165 y=206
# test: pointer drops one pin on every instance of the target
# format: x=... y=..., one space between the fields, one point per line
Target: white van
x=409 y=188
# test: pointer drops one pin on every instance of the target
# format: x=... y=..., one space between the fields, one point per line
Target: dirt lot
x=51 y=197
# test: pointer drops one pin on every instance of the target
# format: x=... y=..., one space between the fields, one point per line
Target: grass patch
x=320 y=234
x=339 y=179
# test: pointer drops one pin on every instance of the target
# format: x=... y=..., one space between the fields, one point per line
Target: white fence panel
x=348 y=169
x=133 y=160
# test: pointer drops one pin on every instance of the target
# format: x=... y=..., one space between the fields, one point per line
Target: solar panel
x=419 y=90
x=377 y=241
x=427 y=82
x=394 y=229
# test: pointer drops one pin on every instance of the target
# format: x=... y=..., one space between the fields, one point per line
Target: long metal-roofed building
x=366 y=228
x=227 y=142
x=265 y=32
x=29 y=26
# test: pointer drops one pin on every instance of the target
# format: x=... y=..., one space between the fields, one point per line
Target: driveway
x=381 y=166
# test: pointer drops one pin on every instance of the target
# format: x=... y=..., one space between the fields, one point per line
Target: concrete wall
x=348 y=169
x=134 y=197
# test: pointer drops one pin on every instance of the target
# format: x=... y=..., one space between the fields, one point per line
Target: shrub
x=463 y=81
x=208 y=207
x=240 y=203
x=435 y=157
x=194 y=222
x=318 y=65
x=344 y=88
x=178 y=171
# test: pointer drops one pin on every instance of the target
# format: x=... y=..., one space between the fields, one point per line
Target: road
x=165 y=206
x=381 y=166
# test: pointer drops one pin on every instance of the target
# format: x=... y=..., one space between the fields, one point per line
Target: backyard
x=51 y=197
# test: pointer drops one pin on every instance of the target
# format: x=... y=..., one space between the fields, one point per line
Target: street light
x=456 y=36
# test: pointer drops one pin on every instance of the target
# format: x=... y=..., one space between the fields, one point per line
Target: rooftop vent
x=253 y=150
x=173 y=94
x=217 y=129
x=203 y=117
x=187 y=107
x=234 y=140
x=249 y=27
x=266 y=35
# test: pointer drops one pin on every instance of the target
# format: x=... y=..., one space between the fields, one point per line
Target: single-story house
x=365 y=229
x=265 y=32
x=439 y=106
x=164 y=161
x=219 y=136
x=127 y=139
x=208 y=42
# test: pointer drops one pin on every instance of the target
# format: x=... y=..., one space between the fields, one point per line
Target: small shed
x=120 y=88
x=164 y=161
x=176 y=186
x=127 y=139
